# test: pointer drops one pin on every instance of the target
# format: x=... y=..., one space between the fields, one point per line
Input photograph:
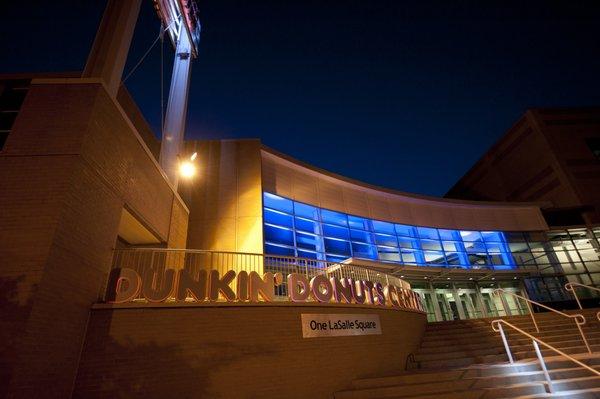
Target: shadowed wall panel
x=235 y=352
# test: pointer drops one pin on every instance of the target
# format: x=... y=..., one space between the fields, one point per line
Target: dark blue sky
x=406 y=95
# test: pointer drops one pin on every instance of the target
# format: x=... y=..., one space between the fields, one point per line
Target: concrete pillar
x=111 y=45
x=484 y=312
x=436 y=305
x=459 y=307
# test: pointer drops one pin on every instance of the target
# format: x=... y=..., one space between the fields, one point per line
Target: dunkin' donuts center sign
x=126 y=284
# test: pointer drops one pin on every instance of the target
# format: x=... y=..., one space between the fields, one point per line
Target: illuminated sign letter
x=155 y=290
x=358 y=291
x=379 y=297
x=391 y=293
x=242 y=286
x=265 y=286
x=188 y=285
x=297 y=281
x=221 y=285
x=318 y=282
x=124 y=285
x=342 y=288
x=368 y=285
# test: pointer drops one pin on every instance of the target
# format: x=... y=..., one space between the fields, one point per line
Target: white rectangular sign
x=335 y=325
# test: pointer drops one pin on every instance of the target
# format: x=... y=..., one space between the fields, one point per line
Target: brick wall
x=234 y=352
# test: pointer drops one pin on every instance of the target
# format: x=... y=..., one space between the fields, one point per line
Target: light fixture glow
x=187 y=169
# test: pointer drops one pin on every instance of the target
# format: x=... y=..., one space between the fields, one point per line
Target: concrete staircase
x=466 y=359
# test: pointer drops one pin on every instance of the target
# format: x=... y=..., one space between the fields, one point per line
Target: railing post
x=532 y=316
x=543 y=364
x=573 y=289
x=505 y=342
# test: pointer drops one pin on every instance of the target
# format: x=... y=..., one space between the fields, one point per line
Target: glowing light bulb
x=187 y=169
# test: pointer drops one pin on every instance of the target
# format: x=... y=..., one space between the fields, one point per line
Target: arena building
x=260 y=275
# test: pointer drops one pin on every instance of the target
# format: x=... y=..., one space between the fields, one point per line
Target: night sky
x=406 y=95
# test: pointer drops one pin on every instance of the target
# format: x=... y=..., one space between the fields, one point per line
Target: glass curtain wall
x=556 y=257
x=296 y=229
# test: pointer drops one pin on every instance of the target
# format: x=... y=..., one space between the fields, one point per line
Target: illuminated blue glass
x=337 y=247
x=385 y=239
x=278 y=218
x=406 y=242
x=279 y=250
x=356 y=222
x=363 y=251
x=405 y=230
x=332 y=217
x=279 y=203
x=450 y=235
x=388 y=254
x=336 y=232
x=383 y=227
x=434 y=257
x=428 y=232
x=310 y=255
x=297 y=229
x=279 y=235
x=362 y=236
x=431 y=245
x=492 y=236
x=308 y=226
x=306 y=211
x=470 y=235
x=309 y=241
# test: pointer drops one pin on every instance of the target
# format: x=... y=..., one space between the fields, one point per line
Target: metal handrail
x=497 y=327
x=579 y=318
x=571 y=287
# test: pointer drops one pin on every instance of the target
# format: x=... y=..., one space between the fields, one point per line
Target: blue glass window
x=308 y=226
x=362 y=236
x=385 y=239
x=428 y=232
x=359 y=223
x=309 y=241
x=450 y=235
x=363 y=251
x=279 y=250
x=296 y=229
x=383 y=227
x=278 y=218
x=332 y=217
x=279 y=203
x=406 y=231
x=337 y=247
x=306 y=211
x=406 y=242
x=470 y=235
x=336 y=232
x=388 y=254
x=431 y=244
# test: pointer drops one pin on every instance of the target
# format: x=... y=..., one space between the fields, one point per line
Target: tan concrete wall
x=235 y=352
x=291 y=179
x=225 y=198
x=71 y=163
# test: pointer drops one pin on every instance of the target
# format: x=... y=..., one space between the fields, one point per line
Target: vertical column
x=111 y=45
x=459 y=307
x=436 y=305
x=484 y=312
x=175 y=117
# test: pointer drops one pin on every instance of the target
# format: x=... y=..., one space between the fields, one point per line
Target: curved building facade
x=455 y=253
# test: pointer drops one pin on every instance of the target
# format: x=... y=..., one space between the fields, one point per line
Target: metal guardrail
x=578 y=318
x=571 y=287
x=497 y=327
x=157 y=260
